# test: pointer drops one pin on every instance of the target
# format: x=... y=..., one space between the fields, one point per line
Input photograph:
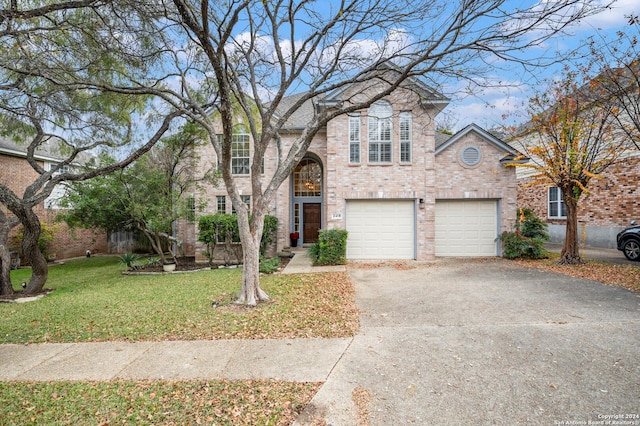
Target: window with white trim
x=221 y=203
x=240 y=154
x=405 y=137
x=60 y=190
x=191 y=208
x=556 y=207
x=380 y=129
x=354 y=139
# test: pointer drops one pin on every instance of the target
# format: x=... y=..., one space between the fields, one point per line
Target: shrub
x=331 y=248
x=130 y=260
x=222 y=228
x=268 y=233
x=528 y=239
x=530 y=225
x=45 y=241
x=269 y=266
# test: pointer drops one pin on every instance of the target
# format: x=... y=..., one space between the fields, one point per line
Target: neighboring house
x=16 y=174
x=381 y=174
x=612 y=202
x=613 y=199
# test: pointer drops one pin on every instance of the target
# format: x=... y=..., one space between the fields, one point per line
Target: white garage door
x=380 y=229
x=466 y=228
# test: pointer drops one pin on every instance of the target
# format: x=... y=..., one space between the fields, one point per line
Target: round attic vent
x=470 y=156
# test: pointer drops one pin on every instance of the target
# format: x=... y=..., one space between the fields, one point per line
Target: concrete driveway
x=485 y=342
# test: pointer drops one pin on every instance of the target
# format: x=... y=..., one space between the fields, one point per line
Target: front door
x=312 y=221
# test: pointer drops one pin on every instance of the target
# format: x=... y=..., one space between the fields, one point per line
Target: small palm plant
x=129 y=260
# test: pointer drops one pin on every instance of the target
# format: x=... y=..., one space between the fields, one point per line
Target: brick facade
x=612 y=202
x=17 y=174
x=426 y=177
x=488 y=180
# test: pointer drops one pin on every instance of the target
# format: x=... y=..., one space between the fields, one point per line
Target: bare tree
x=618 y=61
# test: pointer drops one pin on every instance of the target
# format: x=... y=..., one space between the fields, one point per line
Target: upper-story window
x=240 y=164
x=557 y=208
x=380 y=130
x=354 y=139
x=60 y=190
x=405 y=137
x=240 y=152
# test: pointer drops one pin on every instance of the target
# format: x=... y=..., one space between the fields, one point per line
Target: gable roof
x=428 y=95
x=445 y=141
x=301 y=116
x=49 y=151
x=304 y=114
x=45 y=152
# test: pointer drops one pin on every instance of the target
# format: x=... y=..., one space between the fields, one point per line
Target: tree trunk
x=251 y=293
x=570 y=252
x=6 y=288
x=31 y=252
x=156 y=244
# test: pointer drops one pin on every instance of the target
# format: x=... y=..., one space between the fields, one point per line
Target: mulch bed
x=186 y=264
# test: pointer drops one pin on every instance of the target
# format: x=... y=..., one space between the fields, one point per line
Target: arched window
x=308 y=179
x=380 y=126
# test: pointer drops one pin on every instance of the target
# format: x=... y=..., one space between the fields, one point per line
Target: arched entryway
x=306 y=206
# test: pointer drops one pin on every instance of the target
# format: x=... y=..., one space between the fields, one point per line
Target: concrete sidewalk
x=300 y=360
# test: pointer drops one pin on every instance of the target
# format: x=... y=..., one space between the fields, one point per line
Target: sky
x=505 y=105
x=504 y=99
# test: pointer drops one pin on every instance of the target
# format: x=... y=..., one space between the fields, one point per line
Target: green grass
x=153 y=403
x=93 y=301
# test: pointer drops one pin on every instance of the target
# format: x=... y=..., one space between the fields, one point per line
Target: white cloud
x=611 y=18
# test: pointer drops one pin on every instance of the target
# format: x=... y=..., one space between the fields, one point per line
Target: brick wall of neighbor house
x=68 y=243
x=17 y=175
x=487 y=180
x=612 y=202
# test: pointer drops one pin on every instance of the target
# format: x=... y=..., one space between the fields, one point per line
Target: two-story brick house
x=383 y=175
x=16 y=174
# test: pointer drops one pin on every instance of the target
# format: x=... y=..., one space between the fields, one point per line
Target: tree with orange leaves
x=573 y=136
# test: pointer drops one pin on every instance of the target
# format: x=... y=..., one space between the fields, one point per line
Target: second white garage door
x=466 y=228
x=380 y=229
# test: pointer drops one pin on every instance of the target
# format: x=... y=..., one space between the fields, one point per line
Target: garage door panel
x=466 y=228
x=380 y=229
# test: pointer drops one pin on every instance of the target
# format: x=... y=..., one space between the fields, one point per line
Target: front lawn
x=154 y=402
x=92 y=301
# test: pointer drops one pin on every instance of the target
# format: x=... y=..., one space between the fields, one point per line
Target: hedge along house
x=379 y=174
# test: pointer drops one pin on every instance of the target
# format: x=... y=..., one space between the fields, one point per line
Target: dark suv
x=629 y=241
